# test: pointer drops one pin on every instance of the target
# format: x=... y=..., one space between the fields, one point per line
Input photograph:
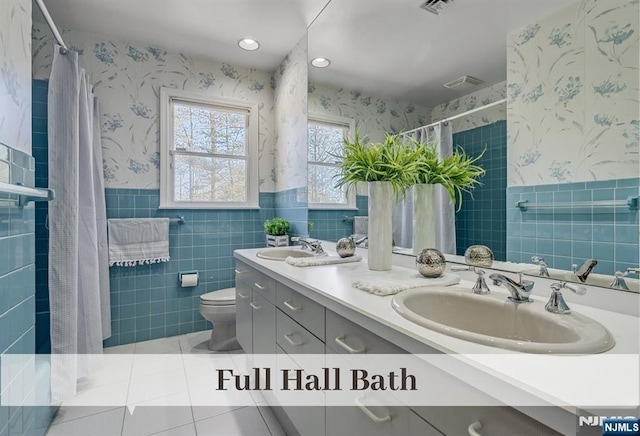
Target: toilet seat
x=223 y=297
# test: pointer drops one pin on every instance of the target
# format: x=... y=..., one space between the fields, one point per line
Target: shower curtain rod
x=463 y=114
x=45 y=13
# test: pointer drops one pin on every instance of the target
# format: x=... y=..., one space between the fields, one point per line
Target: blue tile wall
x=567 y=236
x=331 y=225
x=292 y=206
x=40 y=153
x=17 y=281
x=482 y=218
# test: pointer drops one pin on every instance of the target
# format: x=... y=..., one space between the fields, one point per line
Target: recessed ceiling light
x=321 y=62
x=249 y=44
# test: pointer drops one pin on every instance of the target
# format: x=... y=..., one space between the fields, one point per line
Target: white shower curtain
x=442 y=135
x=78 y=263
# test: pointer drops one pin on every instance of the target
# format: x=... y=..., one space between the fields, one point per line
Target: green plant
x=276 y=226
x=309 y=226
x=457 y=173
x=390 y=161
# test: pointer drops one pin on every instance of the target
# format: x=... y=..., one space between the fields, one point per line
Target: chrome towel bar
x=26 y=194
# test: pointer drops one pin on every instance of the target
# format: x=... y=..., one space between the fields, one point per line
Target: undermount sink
x=281 y=253
x=493 y=320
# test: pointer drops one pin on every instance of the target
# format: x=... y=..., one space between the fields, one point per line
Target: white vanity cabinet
x=274 y=318
x=255 y=311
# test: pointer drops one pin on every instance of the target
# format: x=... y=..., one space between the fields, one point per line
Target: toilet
x=219 y=307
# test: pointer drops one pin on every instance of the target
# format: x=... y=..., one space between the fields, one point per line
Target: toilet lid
x=223 y=297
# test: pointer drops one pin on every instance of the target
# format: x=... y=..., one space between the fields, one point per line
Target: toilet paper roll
x=188 y=280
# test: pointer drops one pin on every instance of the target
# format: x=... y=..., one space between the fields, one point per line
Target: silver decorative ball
x=346 y=247
x=430 y=263
x=479 y=255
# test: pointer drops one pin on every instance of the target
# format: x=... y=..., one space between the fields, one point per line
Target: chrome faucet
x=543 y=271
x=583 y=271
x=519 y=290
x=618 y=280
x=556 y=303
x=315 y=246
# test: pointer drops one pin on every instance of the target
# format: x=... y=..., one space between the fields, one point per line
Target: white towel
x=393 y=285
x=315 y=261
x=138 y=241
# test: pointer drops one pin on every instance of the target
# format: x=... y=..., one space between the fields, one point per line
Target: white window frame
x=167 y=174
x=336 y=121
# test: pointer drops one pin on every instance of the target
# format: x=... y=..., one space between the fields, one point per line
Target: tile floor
x=166 y=393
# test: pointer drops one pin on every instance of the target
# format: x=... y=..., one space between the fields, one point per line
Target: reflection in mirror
x=564 y=147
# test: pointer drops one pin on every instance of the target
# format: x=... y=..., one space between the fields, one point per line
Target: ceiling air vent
x=435 y=6
x=463 y=82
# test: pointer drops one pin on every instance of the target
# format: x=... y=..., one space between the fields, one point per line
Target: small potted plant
x=277 y=229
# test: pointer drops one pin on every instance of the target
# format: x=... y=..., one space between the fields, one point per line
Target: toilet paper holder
x=188 y=279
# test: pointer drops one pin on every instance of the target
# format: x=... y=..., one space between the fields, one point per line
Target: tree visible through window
x=208 y=151
x=325 y=143
x=209 y=154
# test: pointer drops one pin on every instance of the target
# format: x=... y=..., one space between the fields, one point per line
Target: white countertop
x=608 y=379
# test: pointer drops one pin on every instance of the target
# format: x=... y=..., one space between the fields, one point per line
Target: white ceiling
x=394 y=48
x=382 y=47
x=208 y=28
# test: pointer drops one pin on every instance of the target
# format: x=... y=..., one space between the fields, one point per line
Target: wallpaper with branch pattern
x=15 y=74
x=127 y=78
x=573 y=95
x=471 y=101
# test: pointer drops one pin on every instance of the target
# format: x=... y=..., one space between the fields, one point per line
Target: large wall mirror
x=557 y=112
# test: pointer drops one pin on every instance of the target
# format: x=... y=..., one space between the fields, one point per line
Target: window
x=208 y=152
x=326 y=136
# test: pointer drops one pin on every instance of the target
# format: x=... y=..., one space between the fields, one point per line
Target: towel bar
x=26 y=194
x=178 y=220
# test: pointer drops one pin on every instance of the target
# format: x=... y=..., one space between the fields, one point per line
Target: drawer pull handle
x=238 y=271
x=375 y=418
x=474 y=427
x=340 y=341
x=291 y=341
x=255 y=306
x=243 y=295
x=258 y=285
x=291 y=306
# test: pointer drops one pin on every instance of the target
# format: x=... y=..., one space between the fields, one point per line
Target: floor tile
x=157 y=385
x=197 y=342
x=110 y=395
x=169 y=345
x=272 y=422
x=69 y=413
x=184 y=430
x=101 y=424
x=120 y=349
x=147 y=364
x=204 y=412
x=158 y=415
x=245 y=421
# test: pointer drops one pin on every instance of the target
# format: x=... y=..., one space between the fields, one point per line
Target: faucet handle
x=537 y=260
x=556 y=303
x=480 y=287
x=633 y=271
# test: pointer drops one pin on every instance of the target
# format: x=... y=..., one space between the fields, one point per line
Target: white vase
x=379 y=229
x=424 y=218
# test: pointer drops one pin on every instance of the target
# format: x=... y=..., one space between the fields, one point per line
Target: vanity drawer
x=454 y=421
x=344 y=336
x=259 y=282
x=295 y=339
x=305 y=311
